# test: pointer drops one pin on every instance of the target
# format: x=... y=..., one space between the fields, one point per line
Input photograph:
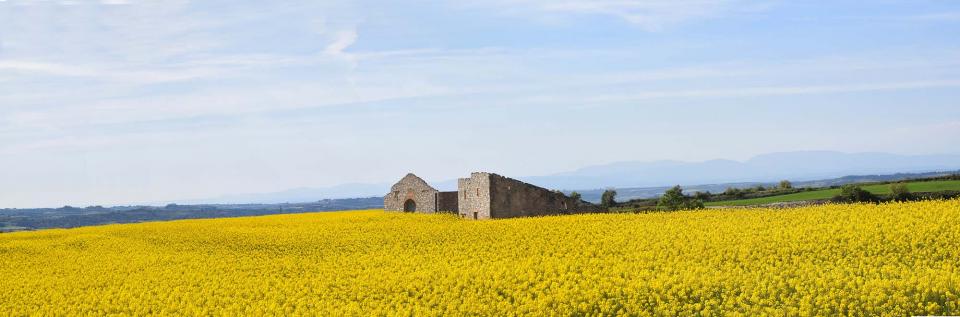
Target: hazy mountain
x=767 y=168
x=68 y=217
x=795 y=166
x=298 y=195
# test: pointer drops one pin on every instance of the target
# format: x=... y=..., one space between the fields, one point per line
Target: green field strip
x=881 y=189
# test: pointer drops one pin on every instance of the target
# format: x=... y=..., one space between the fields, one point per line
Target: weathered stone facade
x=413 y=194
x=483 y=196
x=411 y=191
x=474 y=193
x=491 y=196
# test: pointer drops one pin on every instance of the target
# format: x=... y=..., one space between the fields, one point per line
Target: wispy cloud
x=45 y=68
x=341 y=41
x=496 y=74
x=147 y=81
x=772 y=91
x=651 y=15
x=118 y=73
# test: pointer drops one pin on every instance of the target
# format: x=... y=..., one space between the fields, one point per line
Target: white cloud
x=87 y=77
x=118 y=73
x=45 y=68
x=651 y=15
x=341 y=41
x=494 y=74
x=773 y=91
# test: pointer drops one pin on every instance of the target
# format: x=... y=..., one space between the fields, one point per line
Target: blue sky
x=111 y=102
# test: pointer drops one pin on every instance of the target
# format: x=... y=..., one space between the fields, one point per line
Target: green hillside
x=883 y=189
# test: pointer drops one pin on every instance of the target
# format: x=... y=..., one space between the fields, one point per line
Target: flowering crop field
x=891 y=259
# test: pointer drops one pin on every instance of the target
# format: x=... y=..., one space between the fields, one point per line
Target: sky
x=117 y=102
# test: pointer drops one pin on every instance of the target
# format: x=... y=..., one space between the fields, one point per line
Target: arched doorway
x=409 y=206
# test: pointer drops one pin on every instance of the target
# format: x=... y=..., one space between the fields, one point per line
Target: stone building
x=482 y=196
x=412 y=193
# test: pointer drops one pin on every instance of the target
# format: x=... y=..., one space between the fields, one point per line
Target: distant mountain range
x=70 y=217
x=793 y=166
x=767 y=168
x=297 y=195
x=631 y=179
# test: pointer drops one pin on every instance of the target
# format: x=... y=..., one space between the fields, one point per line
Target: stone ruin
x=482 y=196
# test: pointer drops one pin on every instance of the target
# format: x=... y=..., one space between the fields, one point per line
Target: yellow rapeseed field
x=892 y=259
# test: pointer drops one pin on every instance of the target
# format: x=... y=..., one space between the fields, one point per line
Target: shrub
x=692 y=203
x=899 y=192
x=785 y=184
x=705 y=195
x=733 y=192
x=853 y=193
x=674 y=199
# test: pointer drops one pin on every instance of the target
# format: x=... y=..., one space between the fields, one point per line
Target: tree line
x=675 y=199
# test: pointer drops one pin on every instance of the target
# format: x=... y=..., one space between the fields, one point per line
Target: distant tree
x=674 y=199
x=900 y=192
x=854 y=193
x=692 y=203
x=607 y=200
x=575 y=196
x=760 y=188
x=704 y=195
x=733 y=192
x=785 y=184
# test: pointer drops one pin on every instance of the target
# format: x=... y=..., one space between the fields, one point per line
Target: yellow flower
x=890 y=259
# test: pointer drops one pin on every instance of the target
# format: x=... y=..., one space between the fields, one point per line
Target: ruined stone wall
x=484 y=196
x=511 y=198
x=414 y=188
x=448 y=202
x=474 y=196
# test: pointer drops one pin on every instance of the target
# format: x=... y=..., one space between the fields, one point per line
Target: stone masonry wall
x=484 y=196
x=448 y=202
x=474 y=196
x=511 y=198
x=414 y=188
